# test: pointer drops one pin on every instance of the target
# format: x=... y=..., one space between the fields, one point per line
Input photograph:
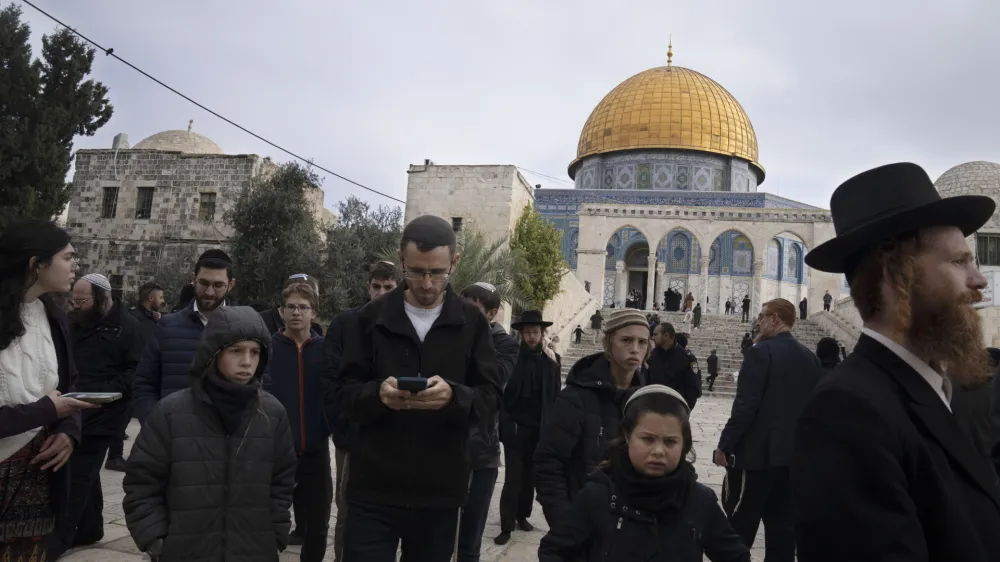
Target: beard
x=950 y=333
x=81 y=320
x=208 y=304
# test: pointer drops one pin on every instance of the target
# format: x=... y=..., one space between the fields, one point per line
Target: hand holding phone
x=411 y=384
x=436 y=396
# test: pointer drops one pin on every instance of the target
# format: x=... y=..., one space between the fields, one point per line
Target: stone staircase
x=719 y=332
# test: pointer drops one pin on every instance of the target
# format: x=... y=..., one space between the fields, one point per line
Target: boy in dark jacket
x=295 y=382
x=484 y=440
x=713 y=369
x=211 y=473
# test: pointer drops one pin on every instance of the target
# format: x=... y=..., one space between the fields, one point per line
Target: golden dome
x=669 y=107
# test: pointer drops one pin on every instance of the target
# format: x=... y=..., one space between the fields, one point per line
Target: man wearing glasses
x=165 y=364
x=409 y=464
x=776 y=379
x=295 y=366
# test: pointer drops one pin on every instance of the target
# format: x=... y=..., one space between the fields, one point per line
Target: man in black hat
x=165 y=364
x=881 y=469
x=531 y=390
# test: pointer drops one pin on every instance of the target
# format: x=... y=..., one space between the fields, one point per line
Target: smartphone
x=94 y=397
x=413 y=384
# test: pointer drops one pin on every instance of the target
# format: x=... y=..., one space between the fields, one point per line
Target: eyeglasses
x=294 y=308
x=417 y=275
x=218 y=285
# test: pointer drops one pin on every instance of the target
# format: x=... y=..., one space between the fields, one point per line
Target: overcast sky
x=367 y=88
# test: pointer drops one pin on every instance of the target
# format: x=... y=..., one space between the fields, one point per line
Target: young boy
x=295 y=382
x=211 y=473
x=578 y=332
x=713 y=369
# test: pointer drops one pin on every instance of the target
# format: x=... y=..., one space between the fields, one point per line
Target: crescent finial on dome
x=670 y=52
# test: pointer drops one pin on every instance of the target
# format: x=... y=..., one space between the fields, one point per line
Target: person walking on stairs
x=713 y=369
x=595 y=324
x=530 y=393
x=746 y=308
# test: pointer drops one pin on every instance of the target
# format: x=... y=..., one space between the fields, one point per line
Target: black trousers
x=746 y=314
x=826 y=306
x=711 y=380
x=84 y=515
x=518 y=493
x=475 y=513
x=311 y=500
x=750 y=496
x=117 y=449
x=374 y=532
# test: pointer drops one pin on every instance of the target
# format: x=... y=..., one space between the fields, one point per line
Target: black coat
x=484 y=439
x=528 y=364
x=295 y=382
x=106 y=356
x=971 y=406
x=164 y=366
x=673 y=367
x=145 y=321
x=776 y=379
x=882 y=472
x=601 y=527
x=713 y=364
x=341 y=427
x=575 y=433
x=416 y=459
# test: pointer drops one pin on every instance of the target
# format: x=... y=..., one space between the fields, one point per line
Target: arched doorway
x=637 y=269
x=626 y=269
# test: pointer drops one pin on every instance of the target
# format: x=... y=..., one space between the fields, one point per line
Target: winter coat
x=713 y=364
x=595 y=321
x=164 y=366
x=601 y=527
x=106 y=356
x=343 y=430
x=484 y=439
x=674 y=368
x=697 y=316
x=213 y=496
x=145 y=322
x=576 y=431
x=550 y=373
x=971 y=406
x=295 y=382
x=415 y=458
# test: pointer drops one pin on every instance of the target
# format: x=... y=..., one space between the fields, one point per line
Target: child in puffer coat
x=644 y=502
x=211 y=473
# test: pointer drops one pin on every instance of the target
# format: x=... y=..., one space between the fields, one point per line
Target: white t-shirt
x=422 y=318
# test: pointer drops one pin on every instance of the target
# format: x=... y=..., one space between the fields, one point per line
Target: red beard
x=949 y=333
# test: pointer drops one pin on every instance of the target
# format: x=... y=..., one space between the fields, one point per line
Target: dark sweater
x=295 y=382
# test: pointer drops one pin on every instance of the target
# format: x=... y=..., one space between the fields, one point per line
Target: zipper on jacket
x=620 y=520
x=600 y=440
x=302 y=400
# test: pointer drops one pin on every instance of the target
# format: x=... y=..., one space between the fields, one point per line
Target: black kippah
x=215 y=254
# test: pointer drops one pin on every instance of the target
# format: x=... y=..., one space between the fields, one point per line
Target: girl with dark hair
x=644 y=502
x=38 y=427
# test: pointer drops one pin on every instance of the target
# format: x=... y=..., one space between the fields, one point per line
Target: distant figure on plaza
x=211 y=473
x=670 y=364
x=713 y=369
x=586 y=415
x=729 y=306
x=644 y=502
x=746 y=308
x=688 y=319
x=422 y=334
x=827 y=300
x=596 y=320
x=828 y=352
x=803 y=308
x=696 y=320
x=688 y=302
x=881 y=469
x=577 y=334
x=776 y=378
x=746 y=343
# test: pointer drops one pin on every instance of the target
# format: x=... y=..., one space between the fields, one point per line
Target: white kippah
x=657 y=389
x=300 y=276
x=485 y=285
x=97 y=280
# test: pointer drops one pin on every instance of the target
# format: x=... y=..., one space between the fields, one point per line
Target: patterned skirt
x=25 y=508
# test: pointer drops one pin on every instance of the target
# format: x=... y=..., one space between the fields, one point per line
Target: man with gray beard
x=881 y=469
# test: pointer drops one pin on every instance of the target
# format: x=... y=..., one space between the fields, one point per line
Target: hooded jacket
x=210 y=495
x=164 y=366
x=601 y=527
x=584 y=418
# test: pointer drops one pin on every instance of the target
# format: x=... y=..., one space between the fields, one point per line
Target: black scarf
x=655 y=495
x=230 y=399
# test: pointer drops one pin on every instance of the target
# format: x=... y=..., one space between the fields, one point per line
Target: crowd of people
x=885 y=454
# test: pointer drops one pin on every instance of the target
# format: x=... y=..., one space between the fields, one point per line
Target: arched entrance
x=626 y=269
x=637 y=269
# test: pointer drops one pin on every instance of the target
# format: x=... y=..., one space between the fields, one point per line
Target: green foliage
x=493 y=262
x=352 y=245
x=275 y=232
x=174 y=270
x=538 y=243
x=43 y=105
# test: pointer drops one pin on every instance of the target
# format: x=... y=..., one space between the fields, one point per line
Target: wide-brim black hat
x=530 y=318
x=888 y=201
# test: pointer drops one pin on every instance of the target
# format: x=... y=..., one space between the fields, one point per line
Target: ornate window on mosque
x=988 y=249
x=792 y=265
x=773 y=258
x=680 y=250
x=742 y=256
x=609 y=258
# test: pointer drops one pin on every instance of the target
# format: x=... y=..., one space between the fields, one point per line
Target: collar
x=940 y=385
x=392 y=313
x=202 y=317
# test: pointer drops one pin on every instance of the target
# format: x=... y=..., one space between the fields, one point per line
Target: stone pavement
x=708 y=419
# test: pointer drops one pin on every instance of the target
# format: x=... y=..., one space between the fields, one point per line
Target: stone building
x=146 y=212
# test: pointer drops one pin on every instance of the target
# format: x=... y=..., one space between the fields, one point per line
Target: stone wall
x=571 y=306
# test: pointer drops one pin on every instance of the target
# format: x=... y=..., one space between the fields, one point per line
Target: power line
x=567 y=182
x=111 y=53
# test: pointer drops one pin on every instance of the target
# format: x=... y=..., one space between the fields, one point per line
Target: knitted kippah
x=97 y=280
x=625 y=317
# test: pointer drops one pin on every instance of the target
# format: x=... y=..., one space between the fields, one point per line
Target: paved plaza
x=708 y=419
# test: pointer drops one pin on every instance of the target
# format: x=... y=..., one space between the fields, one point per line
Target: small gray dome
x=973 y=178
x=179 y=141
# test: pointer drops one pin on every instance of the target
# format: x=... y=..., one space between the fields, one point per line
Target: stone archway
x=732 y=271
x=626 y=268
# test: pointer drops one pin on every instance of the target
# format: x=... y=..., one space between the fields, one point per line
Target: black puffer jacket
x=484 y=438
x=213 y=496
x=575 y=432
x=601 y=527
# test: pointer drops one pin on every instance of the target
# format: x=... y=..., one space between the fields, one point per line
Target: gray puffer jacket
x=210 y=496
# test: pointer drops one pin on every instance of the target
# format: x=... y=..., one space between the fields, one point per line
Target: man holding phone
x=409 y=464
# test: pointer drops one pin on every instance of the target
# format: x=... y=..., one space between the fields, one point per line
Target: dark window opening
x=456 y=224
x=144 y=203
x=988 y=249
x=109 y=205
x=206 y=207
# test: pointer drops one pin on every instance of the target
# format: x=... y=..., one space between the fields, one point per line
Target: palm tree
x=493 y=262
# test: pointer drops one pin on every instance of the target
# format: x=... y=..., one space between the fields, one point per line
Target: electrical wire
x=567 y=182
x=110 y=52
